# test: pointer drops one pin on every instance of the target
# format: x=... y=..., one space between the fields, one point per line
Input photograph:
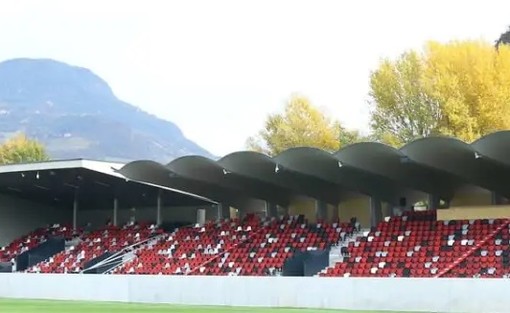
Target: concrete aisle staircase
x=335 y=254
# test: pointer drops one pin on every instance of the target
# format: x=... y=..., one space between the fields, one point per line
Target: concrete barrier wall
x=395 y=294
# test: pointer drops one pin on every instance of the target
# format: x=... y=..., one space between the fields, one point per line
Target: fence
x=395 y=294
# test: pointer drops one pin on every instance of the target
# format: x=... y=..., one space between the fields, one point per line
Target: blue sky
x=218 y=68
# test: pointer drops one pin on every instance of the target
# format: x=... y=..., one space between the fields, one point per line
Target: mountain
x=76 y=115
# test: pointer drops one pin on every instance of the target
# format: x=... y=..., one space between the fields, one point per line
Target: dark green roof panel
x=437 y=165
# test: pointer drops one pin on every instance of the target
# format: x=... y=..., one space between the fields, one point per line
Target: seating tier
x=416 y=245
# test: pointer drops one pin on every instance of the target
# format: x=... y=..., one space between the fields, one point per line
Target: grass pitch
x=36 y=306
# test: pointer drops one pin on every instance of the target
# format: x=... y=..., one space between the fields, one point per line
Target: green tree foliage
x=349 y=137
x=21 y=149
x=459 y=89
x=300 y=125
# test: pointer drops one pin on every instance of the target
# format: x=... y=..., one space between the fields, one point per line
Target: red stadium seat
x=417 y=245
x=33 y=239
x=92 y=245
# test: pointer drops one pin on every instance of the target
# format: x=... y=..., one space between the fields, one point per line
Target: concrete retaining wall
x=428 y=295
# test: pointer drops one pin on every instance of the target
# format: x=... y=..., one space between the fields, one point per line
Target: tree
x=349 y=137
x=504 y=39
x=458 y=89
x=21 y=149
x=471 y=81
x=403 y=110
x=300 y=125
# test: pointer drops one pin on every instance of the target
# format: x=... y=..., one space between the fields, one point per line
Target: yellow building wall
x=471 y=202
x=304 y=206
x=474 y=212
x=355 y=207
x=358 y=207
x=307 y=207
x=471 y=196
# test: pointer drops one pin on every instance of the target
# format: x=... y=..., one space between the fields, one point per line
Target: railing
x=472 y=250
x=219 y=255
x=113 y=260
x=125 y=259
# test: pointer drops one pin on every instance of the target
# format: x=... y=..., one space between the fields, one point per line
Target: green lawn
x=36 y=306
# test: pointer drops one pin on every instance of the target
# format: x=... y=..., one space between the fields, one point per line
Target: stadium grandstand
x=427 y=209
x=436 y=208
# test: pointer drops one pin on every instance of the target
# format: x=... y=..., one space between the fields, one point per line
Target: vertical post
x=434 y=202
x=271 y=210
x=158 y=208
x=201 y=217
x=115 y=210
x=496 y=199
x=75 y=210
x=219 y=211
x=286 y=210
x=241 y=212
x=336 y=215
x=317 y=209
x=375 y=211
x=321 y=209
x=223 y=211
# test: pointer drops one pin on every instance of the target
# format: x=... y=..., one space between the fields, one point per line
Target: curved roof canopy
x=326 y=166
x=208 y=171
x=157 y=174
x=389 y=162
x=495 y=146
x=436 y=165
x=460 y=159
x=261 y=167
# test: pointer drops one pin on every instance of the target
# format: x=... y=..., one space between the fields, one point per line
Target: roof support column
x=201 y=216
x=375 y=211
x=219 y=215
x=158 y=208
x=496 y=199
x=389 y=210
x=280 y=210
x=241 y=213
x=75 y=210
x=115 y=210
x=434 y=202
x=321 y=210
x=271 y=210
x=335 y=216
x=223 y=211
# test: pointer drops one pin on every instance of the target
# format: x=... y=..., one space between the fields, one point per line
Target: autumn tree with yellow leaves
x=21 y=149
x=459 y=89
x=300 y=125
